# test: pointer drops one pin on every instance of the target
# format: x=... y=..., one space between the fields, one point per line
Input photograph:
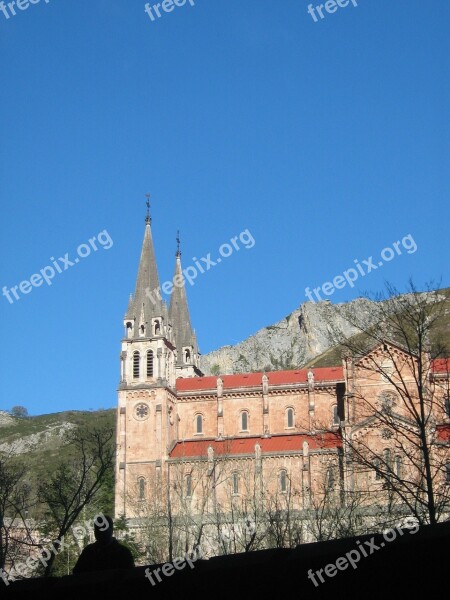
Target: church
x=207 y=447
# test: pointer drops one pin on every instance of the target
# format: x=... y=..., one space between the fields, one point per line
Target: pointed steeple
x=146 y=302
x=184 y=336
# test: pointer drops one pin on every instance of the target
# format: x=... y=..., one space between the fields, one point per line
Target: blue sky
x=328 y=141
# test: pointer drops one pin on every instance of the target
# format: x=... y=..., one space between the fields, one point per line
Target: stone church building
x=204 y=444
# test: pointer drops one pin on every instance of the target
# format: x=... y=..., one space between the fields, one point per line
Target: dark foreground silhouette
x=411 y=567
x=105 y=553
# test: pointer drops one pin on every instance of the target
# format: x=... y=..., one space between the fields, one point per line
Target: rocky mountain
x=300 y=339
x=288 y=344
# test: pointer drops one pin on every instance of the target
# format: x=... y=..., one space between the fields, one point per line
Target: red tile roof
x=246 y=445
x=443 y=433
x=255 y=379
x=441 y=365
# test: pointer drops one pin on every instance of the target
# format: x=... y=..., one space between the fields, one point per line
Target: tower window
x=136 y=365
x=290 y=418
x=150 y=363
x=199 y=424
x=235 y=483
x=283 y=481
x=157 y=328
x=244 y=420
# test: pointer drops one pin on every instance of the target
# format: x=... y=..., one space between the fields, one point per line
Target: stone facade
x=199 y=443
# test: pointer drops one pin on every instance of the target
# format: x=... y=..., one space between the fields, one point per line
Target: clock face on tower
x=141 y=412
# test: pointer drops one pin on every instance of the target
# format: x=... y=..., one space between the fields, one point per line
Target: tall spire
x=184 y=335
x=146 y=301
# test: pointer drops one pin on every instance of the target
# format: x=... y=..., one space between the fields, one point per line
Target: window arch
x=283 y=480
x=235 y=483
x=244 y=420
x=199 y=423
x=136 y=364
x=157 y=327
x=289 y=417
x=187 y=356
x=150 y=363
x=142 y=488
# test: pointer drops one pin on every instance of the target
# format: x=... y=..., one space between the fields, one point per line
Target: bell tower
x=146 y=417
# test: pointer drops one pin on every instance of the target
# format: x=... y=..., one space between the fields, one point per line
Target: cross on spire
x=148 y=218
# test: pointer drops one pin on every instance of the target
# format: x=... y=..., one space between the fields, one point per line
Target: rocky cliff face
x=290 y=343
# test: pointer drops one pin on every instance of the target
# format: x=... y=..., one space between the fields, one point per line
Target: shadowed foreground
x=412 y=565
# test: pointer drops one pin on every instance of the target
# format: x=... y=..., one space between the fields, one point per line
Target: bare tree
x=77 y=480
x=410 y=461
x=15 y=499
x=333 y=513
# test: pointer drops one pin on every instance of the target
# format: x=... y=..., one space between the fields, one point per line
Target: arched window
x=141 y=488
x=129 y=329
x=283 y=481
x=377 y=466
x=387 y=459
x=330 y=477
x=187 y=356
x=398 y=466
x=244 y=420
x=136 y=365
x=150 y=363
x=188 y=486
x=157 y=328
x=199 y=424
x=142 y=330
x=235 y=483
x=289 y=418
